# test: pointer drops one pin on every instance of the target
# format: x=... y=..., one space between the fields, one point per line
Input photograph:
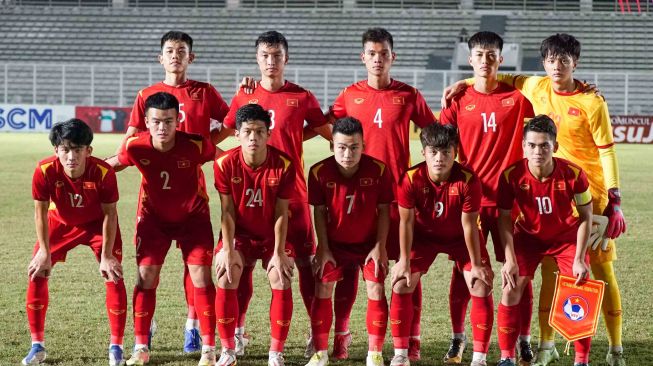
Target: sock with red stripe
x=280 y=317
x=526 y=310
x=321 y=319
x=116 y=303
x=306 y=285
x=205 y=305
x=508 y=329
x=226 y=311
x=344 y=298
x=459 y=297
x=377 y=322
x=245 y=292
x=582 y=350
x=415 y=329
x=401 y=314
x=36 y=304
x=482 y=318
x=144 y=303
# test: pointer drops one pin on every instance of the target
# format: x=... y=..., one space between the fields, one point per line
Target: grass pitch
x=76 y=327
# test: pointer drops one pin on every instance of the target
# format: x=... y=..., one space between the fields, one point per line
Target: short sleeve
x=123 y=154
x=506 y=195
x=385 y=185
x=314 y=115
x=405 y=193
x=208 y=150
x=220 y=174
x=109 y=187
x=600 y=125
x=339 y=109
x=40 y=190
x=473 y=194
x=137 y=116
x=450 y=115
x=218 y=108
x=230 y=118
x=287 y=183
x=316 y=195
x=527 y=85
x=422 y=114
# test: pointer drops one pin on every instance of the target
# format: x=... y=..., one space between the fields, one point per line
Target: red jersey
x=201 y=108
x=547 y=207
x=351 y=202
x=255 y=191
x=171 y=187
x=491 y=127
x=438 y=208
x=77 y=201
x=289 y=107
x=385 y=115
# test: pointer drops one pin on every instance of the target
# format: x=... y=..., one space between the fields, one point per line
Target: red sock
x=245 y=292
x=401 y=314
x=36 y=304
x=482 y=318
x=458 y=300
x=144 y=303
x=226 y=311
x=321 y=318
x=582 y=350
x=507 y=326
x=526 y=310
x=116 y=301
x=205 y=304
x=415 y=330
x=377 y=322
x=306 y=285
x=344 y=298
x=280 y=317
x=189 y=290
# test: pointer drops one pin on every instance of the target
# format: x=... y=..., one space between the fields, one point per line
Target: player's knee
x=401 y=287
x=375 y=290
x=200 y=275
x=277 y=282
x=324 y=290
x=148 y=277
x=480 y=289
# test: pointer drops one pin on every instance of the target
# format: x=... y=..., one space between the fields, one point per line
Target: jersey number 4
x=377 y=118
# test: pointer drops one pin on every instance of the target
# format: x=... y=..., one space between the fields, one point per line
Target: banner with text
x=632 y=129
x=32 y=117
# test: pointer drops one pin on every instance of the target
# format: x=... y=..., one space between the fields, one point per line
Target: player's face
x=559 y=68
x=253 y=135
x=271 y=59
x=439 y=160
x=539 y=149
x=485 y=61
x=73 y=157
x=348 y=149
x=378 y=58
x=162 y=124
x=176 y=56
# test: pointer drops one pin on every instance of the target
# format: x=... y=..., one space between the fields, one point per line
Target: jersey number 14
x=489 y=123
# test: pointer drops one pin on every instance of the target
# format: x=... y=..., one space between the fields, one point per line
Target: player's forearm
x=319 y=215
x=584 y=228
x=610 y=166
x=308 y=133
x=472 y=241
x=131 y=131
x=280 y=226
x=217 y=136
x=109 y=228
x=41 y=224
x=406 y=228
x=382 y=225
x=504 y=223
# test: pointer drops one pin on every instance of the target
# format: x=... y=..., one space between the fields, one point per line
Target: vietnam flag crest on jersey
x=576 y=308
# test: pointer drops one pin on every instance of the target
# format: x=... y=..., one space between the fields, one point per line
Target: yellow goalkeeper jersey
x=584 y=130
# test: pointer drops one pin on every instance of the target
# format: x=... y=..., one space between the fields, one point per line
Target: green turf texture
x=77 y=330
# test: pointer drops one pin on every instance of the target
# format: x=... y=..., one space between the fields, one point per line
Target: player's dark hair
x=252 y=113
x=177 y=36
x=439 y=136
x=74 y=130
x=485 y=40
x=560 y=44
x=377 y=35
x=347 y=126
x=542 y=124
x=162 y=101
x=272 y=38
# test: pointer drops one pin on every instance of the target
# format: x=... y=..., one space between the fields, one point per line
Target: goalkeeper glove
x=617 y=222
x=597 y=234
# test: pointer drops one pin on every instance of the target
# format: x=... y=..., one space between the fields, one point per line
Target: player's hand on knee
x=450 y=91
x=380 y=257
x=110 y=268
x=483 y=274
x=616 y=219
x=401 y=270
x=40 y=265
x=581 y=270
x=225 y=261
x=248 y=84
x=322 y=257
x=284 y=267
x=509 y=273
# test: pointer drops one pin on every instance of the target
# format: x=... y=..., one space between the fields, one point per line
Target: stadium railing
x=113 y=85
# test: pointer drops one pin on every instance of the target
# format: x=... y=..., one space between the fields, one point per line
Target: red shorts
x=350 y=254
x=63 y=238
x=194 y=237
x=489 y=216
x=300 y=230
x=530 y=251
x=423 y=254
x=392 y=242
x=252 y=250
